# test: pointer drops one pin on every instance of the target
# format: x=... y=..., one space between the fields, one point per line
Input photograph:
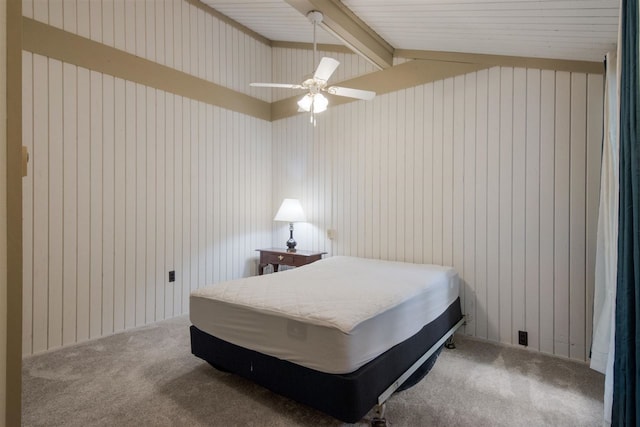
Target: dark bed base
x=347 y=397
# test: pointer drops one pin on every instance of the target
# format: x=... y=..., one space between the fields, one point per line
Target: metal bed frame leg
x=447 y=340
x=379 y=420
x=450 y=343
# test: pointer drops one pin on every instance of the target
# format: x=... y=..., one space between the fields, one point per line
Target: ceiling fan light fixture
x=314 y=101
x=320 y=103
x=305 y=102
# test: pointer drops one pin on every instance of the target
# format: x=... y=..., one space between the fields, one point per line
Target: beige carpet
x=148 y=377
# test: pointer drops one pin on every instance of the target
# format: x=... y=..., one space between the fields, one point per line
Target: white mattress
x=333 y=315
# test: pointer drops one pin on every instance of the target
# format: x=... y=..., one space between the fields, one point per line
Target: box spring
x=347 y=397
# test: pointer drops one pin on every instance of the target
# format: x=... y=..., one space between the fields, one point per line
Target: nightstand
x=278 y=257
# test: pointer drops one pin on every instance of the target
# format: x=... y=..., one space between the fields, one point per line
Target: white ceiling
x=273 y=19
x=563 y=29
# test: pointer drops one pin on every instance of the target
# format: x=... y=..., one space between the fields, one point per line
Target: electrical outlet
x=331 y=233
x=172 y=276
x=523 y=338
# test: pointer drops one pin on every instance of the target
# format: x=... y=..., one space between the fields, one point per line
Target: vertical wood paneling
x=55 y=201
x=209 y=227
x=150 y=29
x=108 y=24
x=69 y=15
x=120 y=212
x=27 y=8
x=408 y=169
x=55 y=13
x=139 y=19
x=447 y=174
x=475 y=273
x=547 y=210
x=161 y=275
x=147 y=28
x=119 y=25
x=40 y=304
x=41 y=10
x=140 y=168
x=108 y=205
x=427 y=186
x=96 y=209
x=561 y=213
x=169 y=182
x=194 y=186
x=150 y=208
x=84 y=204
x=532 y=210
x=458 y=172
x=176 y=50
x=506 y=207
x=437 y=165
x=488 y=100
x=392 y=187
x=376 y=144
x=186 y=201
x=121 y=190
x=130 y=206
x=419 y=173
x=486 y=164
x=185 y=27
x=177 y=229
x=577 y=216
x=83 y=18
x=518 y=197
x=95 y=21
x=384 y=184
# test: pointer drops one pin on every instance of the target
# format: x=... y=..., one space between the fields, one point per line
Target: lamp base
x=291 y=243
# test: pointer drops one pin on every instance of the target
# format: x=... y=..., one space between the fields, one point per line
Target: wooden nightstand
x=278 y=257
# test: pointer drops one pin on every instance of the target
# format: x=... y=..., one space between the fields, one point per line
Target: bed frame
x=347 y=397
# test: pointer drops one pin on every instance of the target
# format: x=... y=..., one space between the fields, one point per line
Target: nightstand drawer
x=277 y=257
x=268 y=258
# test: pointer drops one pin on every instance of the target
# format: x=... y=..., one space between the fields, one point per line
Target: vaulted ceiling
x=562 y=29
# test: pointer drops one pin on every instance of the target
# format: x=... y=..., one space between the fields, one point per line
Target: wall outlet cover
x=523 y=338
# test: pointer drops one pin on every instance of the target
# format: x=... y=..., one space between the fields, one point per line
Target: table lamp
x=290 y=211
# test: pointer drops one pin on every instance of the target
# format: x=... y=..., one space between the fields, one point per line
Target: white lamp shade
x=320 y=103
x=305 y=102
x=317 y=101
x=290 y=211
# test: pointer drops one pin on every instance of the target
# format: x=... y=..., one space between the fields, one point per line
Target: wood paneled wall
x=174 y=33
x=495 y=173
x=126 y=183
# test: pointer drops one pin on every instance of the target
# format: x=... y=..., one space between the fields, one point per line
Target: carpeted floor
x=148 y=377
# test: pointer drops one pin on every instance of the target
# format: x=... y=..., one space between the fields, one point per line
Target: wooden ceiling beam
x=351 y=30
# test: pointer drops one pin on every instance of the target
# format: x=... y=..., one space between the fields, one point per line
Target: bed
x=340 y=334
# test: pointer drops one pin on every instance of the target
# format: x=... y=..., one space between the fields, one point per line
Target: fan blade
x=282 y=85
x=366 y=95
x=326 y=67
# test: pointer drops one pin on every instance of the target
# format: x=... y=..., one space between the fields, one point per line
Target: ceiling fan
x=314 y=101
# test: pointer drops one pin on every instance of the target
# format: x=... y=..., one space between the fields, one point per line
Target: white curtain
x=602 y=351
